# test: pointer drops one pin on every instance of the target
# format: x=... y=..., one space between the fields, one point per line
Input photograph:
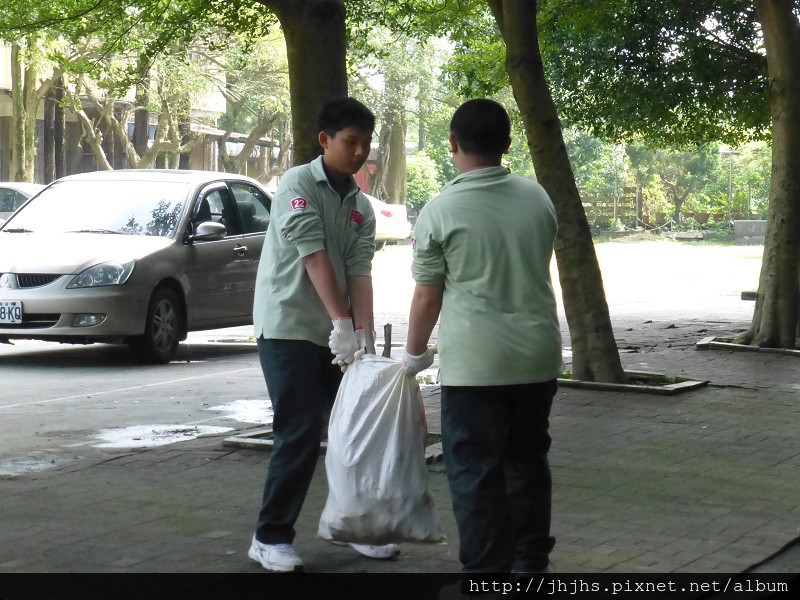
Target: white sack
x=375 y=461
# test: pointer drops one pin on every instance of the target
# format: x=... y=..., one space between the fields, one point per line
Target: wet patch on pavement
x=23 y=465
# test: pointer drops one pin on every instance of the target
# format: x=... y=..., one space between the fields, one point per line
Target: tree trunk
x=594 y=349
x=238 y=163
x=422 y=110
x=59 y=131
x=676 y=213
x=184 y=106
x=92 y=137
x=141 y=117
x=279 y=164
x=775 y=318
x=677 y=200
x=315 y=44
x=49 y=136
x=389 y=181
x=31 y=108
x=24 y=123
x=377 y=187
x=114 y=143
x=394 y=178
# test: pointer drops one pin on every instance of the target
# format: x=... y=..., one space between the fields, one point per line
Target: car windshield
x=119 y=206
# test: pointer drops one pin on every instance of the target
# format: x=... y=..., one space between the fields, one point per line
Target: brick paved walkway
x=704 y=481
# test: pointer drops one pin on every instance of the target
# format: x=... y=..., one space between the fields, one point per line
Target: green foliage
x=142 y=30
x=597 y=165
x=670 y=177
x=477 y=67
x=422 y=180
x=438 y=147
x=667 y=71
x=256 y=81
x=699 y=174
x=382 y=76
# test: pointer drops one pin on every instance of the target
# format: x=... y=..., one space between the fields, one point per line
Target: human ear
x=453 y=143
x=323 y=139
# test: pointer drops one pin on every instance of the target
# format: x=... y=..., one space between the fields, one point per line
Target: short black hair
x=341 y=113
x=481 y=126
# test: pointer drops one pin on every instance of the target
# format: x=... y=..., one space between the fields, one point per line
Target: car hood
x=70 y=253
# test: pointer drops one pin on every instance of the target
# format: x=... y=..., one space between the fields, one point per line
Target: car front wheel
x=159 y=344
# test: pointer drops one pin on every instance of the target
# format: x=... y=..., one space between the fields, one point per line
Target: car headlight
x=110 y=273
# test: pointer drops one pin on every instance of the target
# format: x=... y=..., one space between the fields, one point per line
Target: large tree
x=595 y=354
x=142 y=29
x=682 y=173
x=775 y=321
x=253 y=78
x=675 y=72
x=399 y=92
x=28 y=91
x=479 y=72
x=315 y=32
x=316 y=49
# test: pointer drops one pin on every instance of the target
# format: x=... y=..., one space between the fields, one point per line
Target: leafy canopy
x=663 y=71
x=145 y=29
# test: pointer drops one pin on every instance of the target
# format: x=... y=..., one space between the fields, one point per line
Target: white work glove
x=366 y=345
x=343 y=342
x=361 y=340
x=414 y=364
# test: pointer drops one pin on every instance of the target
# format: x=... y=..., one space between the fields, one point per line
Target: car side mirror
x=208 y=231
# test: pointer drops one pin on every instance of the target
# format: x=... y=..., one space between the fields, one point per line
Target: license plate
x=10 y=312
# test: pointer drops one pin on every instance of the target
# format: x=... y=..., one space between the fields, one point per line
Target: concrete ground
x=701 y=483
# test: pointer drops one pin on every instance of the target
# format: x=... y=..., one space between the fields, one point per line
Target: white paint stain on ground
x=246 y=411
x=146 y=436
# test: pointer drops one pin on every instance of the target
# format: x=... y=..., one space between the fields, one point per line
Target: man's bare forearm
x=320 y=271
x=426 y=305
x=361 y=301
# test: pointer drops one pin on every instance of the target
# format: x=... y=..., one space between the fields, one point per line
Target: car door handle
x=240 y=250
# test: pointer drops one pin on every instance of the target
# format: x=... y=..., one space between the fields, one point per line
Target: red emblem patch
x=356 y=217
x=299 y=203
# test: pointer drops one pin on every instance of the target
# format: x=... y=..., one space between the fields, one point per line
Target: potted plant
x=702 y=217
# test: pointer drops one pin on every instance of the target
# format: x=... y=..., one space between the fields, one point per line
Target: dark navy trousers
x=495 y=441
x=302 y=385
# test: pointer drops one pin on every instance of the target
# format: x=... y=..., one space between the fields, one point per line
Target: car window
x=224 y=210
x=253 y=206
x=120 y=206
x=10 y=200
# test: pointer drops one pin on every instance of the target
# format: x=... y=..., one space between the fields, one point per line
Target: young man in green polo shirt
x=313 y=303
x=482 y=257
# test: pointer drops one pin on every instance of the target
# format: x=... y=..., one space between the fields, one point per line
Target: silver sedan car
x=136 y=256
x=15 y=194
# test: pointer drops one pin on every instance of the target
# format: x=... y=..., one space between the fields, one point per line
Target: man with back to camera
x=482 y=253
x=313 y=304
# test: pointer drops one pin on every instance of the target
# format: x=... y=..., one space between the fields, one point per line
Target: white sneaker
x=277 y=558
x=387 y=552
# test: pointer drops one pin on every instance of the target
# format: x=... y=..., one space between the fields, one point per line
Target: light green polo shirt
x=308 y=215
x=488 y=236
